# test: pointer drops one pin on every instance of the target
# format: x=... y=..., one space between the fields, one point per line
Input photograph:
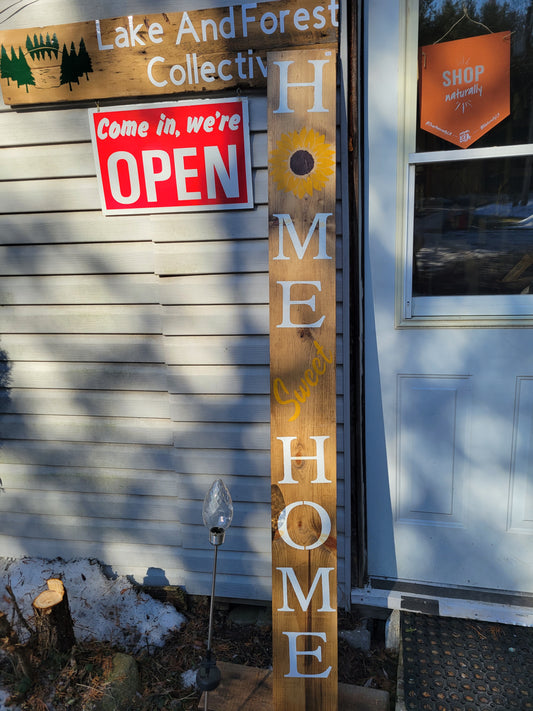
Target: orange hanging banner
x=464 y=87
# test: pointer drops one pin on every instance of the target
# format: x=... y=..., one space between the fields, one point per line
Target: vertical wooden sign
x=301 y=142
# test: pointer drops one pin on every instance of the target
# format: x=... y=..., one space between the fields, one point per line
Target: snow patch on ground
x=102 y=609
x=3 y=699
x=188 y=678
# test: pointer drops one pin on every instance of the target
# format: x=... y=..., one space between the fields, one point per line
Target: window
x=470 y=210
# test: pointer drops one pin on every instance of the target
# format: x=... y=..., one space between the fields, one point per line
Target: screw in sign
x=464 y=87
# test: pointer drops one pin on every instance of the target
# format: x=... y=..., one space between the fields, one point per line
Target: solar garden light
x=217 y=514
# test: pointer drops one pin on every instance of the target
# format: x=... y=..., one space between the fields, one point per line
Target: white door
x=449 y=319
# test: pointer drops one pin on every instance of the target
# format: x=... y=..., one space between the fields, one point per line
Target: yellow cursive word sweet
x=310 y=379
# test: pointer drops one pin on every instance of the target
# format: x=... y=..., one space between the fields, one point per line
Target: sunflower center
x=301 y=162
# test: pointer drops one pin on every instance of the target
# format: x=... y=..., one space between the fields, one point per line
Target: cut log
x=53 y=622
x=17 y=652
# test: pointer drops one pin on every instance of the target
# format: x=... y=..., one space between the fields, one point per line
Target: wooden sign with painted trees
x=43 y=64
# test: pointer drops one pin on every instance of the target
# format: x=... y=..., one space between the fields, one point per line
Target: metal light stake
x=217 y=514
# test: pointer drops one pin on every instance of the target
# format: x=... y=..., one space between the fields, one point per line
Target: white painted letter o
x=114 y=182
x=325 y=522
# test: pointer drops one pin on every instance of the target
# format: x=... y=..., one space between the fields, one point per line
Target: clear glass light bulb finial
x=218 y=507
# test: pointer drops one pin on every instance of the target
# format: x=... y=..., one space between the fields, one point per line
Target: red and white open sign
x=173 y=157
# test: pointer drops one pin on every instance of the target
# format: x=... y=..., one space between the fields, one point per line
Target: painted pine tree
x=48 y=45
x=23 y=73
x=19 y=69
x=69 y=69
x=73 y=59
x=84 y=61
x=29 y=46
x=64 y=77
x=5 y=65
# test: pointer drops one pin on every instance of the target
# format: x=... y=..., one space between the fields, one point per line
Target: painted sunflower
x=302 y=162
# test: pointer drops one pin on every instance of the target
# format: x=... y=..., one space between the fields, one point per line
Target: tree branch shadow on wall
x=5 y=380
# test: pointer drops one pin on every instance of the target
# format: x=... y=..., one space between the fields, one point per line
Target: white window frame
x=412 y=311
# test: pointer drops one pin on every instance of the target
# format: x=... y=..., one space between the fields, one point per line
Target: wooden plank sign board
x=148 y=55
x=301 y=143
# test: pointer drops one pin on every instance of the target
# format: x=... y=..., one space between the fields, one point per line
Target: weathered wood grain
x=302 y=379
x=158 y=55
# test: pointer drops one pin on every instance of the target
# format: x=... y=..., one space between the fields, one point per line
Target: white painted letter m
x=290 y=576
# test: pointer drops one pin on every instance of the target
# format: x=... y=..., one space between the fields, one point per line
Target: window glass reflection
x=473 y=228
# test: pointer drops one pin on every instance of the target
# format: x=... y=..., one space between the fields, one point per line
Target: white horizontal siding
x=59 y=228
x=138 y=356
x=75 y=194
x=83 y=428
x=75 y=160
x=87 y=529
x=220 y=408
x=107 y=348
x=88 y=479
x=85 y=454
x=218 y=288
x=87 y=376
x=212 y=350
x=221 y=435
x=100 y=403
x=38 y=127
x=195 y=227
x=49 y=195
x=76 y=259
x=96 y=506
x=80 y=289
x=211 y=258
x=231 y=465
x=222 y=319
x=87 y=318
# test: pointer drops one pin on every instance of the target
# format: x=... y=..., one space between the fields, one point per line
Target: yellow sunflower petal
x=315 y=170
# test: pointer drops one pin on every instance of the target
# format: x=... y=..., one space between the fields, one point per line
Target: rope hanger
x=464 y=16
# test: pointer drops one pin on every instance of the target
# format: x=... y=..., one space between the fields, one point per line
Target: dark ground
x=78 y=680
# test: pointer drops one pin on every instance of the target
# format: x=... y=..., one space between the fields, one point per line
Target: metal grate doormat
x=465 y=665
